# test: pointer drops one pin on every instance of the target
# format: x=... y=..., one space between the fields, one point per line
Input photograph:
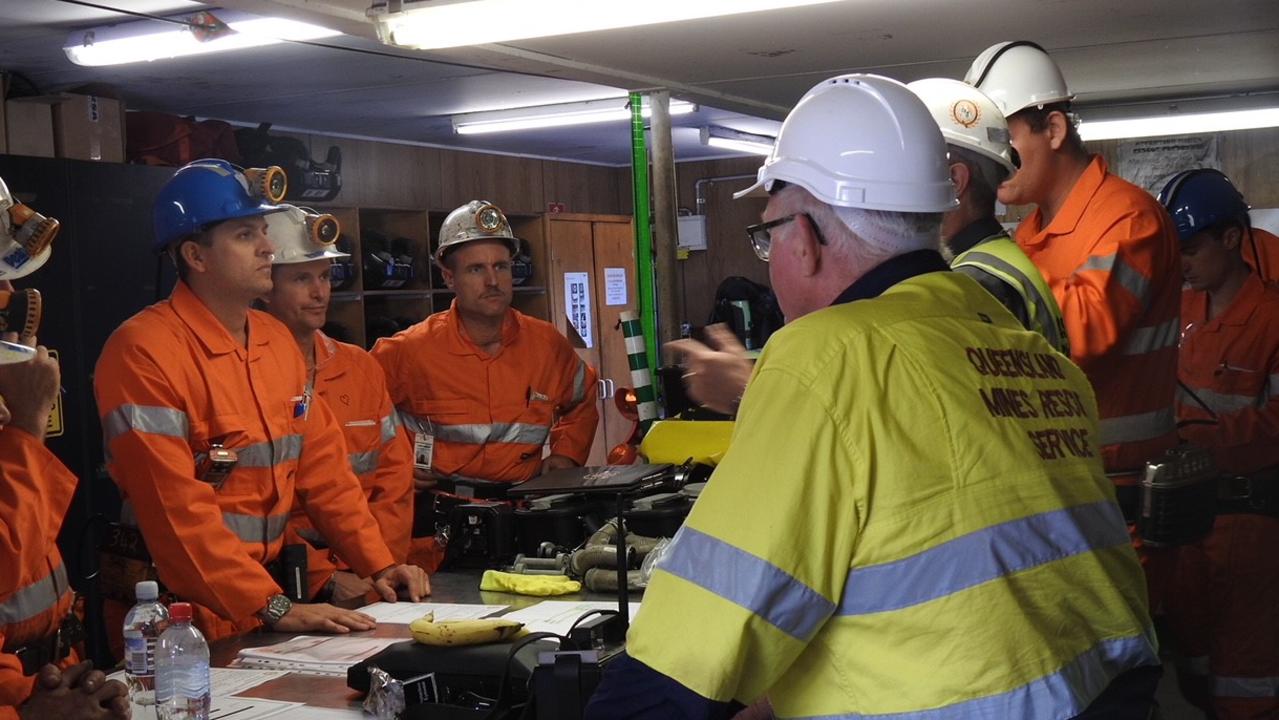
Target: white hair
x=870 y=234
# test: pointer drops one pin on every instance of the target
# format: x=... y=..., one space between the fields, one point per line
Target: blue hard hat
x=1199 y=199
x=209 y=191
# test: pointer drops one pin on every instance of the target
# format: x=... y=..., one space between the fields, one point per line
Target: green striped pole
x=637 y=358
x=643 y=230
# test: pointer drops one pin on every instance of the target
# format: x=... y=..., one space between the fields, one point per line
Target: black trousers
x=1131 y=696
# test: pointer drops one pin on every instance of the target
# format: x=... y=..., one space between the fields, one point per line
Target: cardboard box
x=88 y=127
x=29 y=126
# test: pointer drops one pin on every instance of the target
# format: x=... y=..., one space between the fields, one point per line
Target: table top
x=331 y=692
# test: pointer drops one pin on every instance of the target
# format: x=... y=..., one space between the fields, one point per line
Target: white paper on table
x=558 y=616
x=335 y=651
x=247 y=708
x=318 y=713
x=233 y=709
x=406 y=612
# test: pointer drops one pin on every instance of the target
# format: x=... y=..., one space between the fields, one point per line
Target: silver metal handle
x=610 y=388
x=601 y=389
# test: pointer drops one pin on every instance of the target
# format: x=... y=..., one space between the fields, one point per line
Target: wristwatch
x=277 y=606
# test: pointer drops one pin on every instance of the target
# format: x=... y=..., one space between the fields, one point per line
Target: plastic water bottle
x=182 y=669
x=142 y=628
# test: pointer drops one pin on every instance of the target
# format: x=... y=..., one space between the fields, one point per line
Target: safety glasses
x=761 y=234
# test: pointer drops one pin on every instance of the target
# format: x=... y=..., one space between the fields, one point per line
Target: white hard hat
x=26 y=237
x=967 y=118
x=476 y=220
x=299 y=235
x=862 y=141
x=1018 y=74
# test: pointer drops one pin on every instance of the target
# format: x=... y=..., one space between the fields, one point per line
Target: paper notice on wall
x=577 y=304
x=1151 y=162
x=614 y=286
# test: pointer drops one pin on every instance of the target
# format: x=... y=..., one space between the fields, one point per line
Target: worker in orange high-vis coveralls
x=1110 y=255
x=39 y=675
x=1225 y=607
x=482 y=387
x=351 y=383
x=210 y=429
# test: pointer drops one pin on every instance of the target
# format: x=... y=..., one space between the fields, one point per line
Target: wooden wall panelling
x=581 y=188
x=512 y=183
x=727 y=252
x=1251 y=159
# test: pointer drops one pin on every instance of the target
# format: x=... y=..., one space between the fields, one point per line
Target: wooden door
x=571 y=245
x=614 y=256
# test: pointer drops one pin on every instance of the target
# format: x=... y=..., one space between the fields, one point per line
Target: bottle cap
x=147 y=590
x=180 y=612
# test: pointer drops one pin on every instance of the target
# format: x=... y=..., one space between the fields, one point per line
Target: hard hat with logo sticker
x=1017 y=75
x=209 y=191
x=967 y=118
x=301 y=235
x=476 y=220
x=862 y=141
x=26 y=237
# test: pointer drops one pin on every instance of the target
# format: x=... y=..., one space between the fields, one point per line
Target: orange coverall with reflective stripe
x=491 y=415
x=35 y=492
x=1113 y=261
x=351 y=382
x=1225 y=607
x=170 y=384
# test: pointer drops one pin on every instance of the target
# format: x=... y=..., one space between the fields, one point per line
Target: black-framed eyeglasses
x=761 y=234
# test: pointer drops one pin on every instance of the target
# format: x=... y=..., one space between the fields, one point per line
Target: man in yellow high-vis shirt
x=912 y=519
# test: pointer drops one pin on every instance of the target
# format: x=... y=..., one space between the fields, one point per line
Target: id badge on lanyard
x=423 y=450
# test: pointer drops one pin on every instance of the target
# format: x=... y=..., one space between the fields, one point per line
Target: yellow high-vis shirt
x=912 y=520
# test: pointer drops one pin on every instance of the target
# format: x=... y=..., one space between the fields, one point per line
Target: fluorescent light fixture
x=736 y=140
x=148 y=40
x=545 y=116
x=1179 y=124
x=478 y=22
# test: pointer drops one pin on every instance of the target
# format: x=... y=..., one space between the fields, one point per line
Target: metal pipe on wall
x=670 y=312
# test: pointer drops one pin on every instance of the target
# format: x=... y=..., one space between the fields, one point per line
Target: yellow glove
x=539 y=585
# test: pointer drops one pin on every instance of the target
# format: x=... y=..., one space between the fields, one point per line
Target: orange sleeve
x=391 y=488
x=334 y=498
x=1104 y=298
x=1249 y=427
x=145 y=427
x=35 y=492
x=386 y=352
x=577 y=415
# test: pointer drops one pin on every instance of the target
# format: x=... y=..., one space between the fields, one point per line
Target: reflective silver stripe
x=579 y=384
x=411 y=422
x=312 y=536
x=1245 y=687
x=1151 y=338
x=522 y=433
x=390 y=426
x=40 y=596
x=749 y=581
x=269 y=453
x=1218 y=402
x=254 y=528
x=364 y=462
x=1061 y=694
x=1127 y=276
x=1044 y=320
x=144 y=419
x=1136 y=428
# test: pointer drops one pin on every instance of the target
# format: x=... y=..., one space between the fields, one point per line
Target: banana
x=463 y=632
